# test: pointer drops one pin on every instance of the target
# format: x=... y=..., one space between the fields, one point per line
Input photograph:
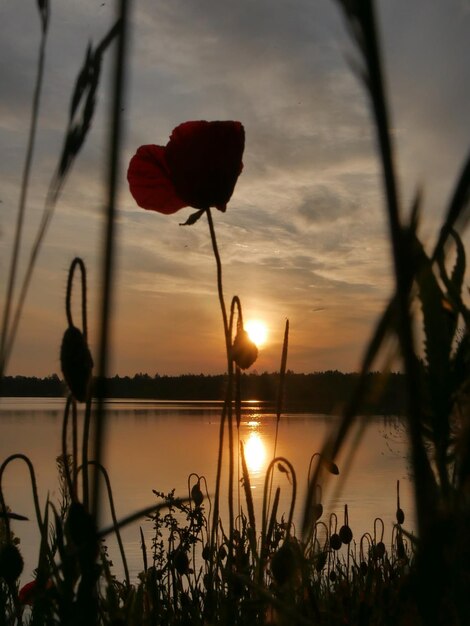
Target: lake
x=157 y=445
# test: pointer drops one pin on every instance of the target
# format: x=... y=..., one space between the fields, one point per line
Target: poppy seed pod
x=379 y=550
x=11 y=563
x=181 y=562
x=222 y=553
x=345 y=534
x=76 y=362
x=335 y=541
x=80 y=528
x=284 y=563
x=244 y=351
x=321 y=560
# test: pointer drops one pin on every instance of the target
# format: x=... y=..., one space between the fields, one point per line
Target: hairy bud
x=76 y=362
x=244 y=351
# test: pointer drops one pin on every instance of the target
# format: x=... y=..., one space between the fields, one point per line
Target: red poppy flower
x=198 y=167
x=27 y=593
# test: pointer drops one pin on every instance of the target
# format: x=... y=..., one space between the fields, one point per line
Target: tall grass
x=197 y=571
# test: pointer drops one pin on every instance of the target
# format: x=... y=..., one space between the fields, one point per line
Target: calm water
x=156 y=445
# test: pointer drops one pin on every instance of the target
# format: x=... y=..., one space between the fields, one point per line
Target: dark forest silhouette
x=323 y=392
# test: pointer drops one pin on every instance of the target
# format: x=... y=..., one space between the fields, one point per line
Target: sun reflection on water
x=255 y=452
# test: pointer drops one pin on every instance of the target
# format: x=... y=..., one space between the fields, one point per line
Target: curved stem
x=86 y=436
x=114 y=518
x=267 y=482
x=34 y=486
x=68 y=308
x=238 y=305
x=68 y=477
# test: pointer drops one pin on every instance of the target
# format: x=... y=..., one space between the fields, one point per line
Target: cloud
x=305 y=235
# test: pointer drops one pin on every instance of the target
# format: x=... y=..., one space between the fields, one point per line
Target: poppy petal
x=26 y=593
x=150 y=182
x=205 y=160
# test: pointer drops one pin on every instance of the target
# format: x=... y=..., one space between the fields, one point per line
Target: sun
x=257 y=331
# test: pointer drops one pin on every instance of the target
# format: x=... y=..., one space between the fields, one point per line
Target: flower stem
x=219 y=283
x=228 y=399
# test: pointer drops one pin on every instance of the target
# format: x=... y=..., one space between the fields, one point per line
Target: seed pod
x=345 y=531
x=363 y=568
x=76 y=362
x=181 y=561
x=335 y=541
x=379 y=550
x=11 y=563
x=222 y=553
x=206 y=552
x=332 y=576
x=244 y=351
x=345 y=534
x=196 y=494
x=80 y=529
x=400 y=514
x=284 y=563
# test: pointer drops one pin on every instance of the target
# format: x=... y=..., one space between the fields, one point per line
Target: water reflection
x=255 y=453
x=153 y=445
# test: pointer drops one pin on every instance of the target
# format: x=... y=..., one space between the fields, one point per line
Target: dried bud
x=11 y=563
x=76 y=362
x=244 y=351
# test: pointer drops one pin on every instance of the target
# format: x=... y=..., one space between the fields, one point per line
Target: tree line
x=321 y=392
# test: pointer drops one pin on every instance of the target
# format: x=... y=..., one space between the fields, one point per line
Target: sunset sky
x=304 y=236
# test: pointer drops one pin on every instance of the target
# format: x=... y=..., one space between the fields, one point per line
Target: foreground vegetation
x=201 y=569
